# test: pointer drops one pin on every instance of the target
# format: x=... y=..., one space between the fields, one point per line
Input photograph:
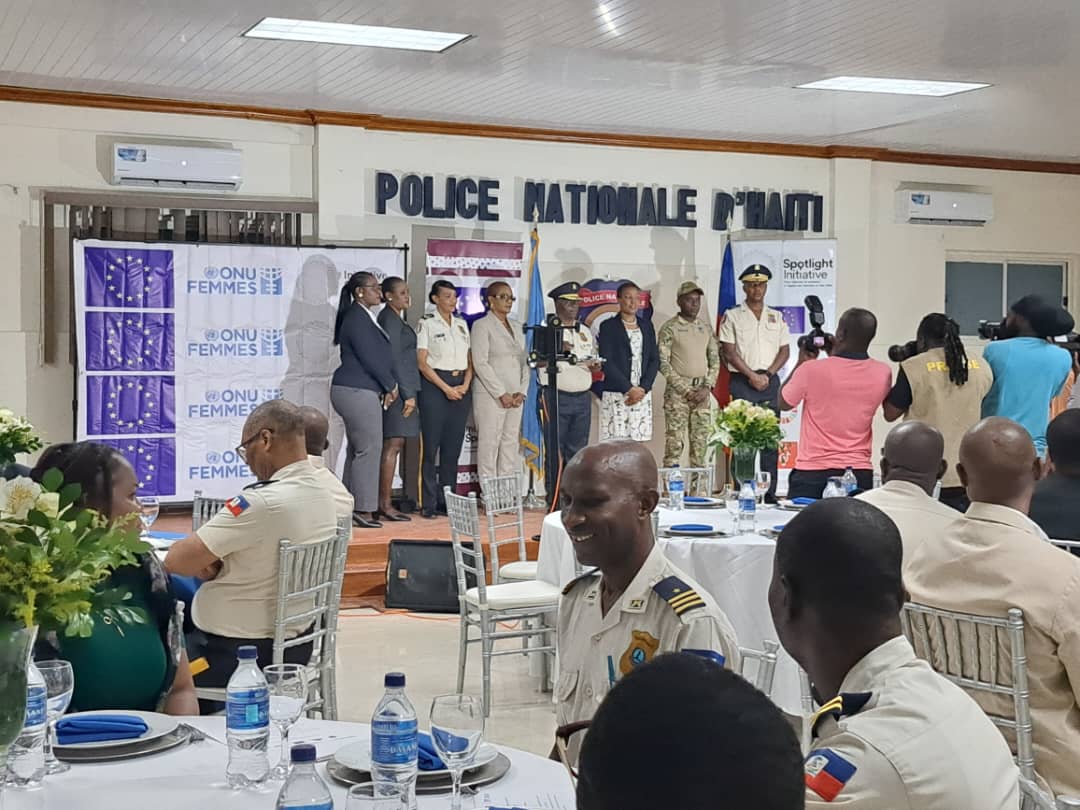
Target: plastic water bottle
x=747 y=507
x=247 y=722
x=26 y=758
x=394 y=743
x=304 y=789
x=849 y=482
x=676 y=488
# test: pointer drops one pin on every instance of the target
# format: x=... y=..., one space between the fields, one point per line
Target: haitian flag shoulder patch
x=237 y=505
x=827 y=772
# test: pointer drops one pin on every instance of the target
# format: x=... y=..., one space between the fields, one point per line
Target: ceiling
x=722 y=69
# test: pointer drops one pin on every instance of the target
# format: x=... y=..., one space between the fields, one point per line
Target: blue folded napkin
x=696 y=499
x=428 y=757
x=803 y=501
x=778 y=527
x=99 y=728
x=692 y=527
x=166 y=535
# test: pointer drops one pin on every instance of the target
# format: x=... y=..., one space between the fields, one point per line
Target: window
x=982 y=289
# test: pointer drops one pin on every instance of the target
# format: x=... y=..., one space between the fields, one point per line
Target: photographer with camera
x=1029 y=370
x=840 y=395
x=940 y=385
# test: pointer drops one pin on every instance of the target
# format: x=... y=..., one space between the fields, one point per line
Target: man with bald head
x=316 y=429
x=634 y=604
x=911 y=465
x=237 y=549
x=995 y=558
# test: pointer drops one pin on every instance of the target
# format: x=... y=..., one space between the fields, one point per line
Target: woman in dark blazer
x=400 y=420
x=363 y=387
x=632 y=360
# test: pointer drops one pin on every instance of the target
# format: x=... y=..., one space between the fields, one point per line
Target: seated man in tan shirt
x=237 y=550
x=912 y=464
x=995 y=558
x=316 y=429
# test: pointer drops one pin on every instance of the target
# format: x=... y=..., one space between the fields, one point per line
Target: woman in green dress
x=122 y=666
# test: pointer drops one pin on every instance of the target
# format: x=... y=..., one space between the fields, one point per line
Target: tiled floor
x=424 y=647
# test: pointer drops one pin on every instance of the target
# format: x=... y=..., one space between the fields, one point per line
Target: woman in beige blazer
x=499 y=362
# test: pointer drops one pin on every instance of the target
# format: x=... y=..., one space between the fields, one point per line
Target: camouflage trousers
x=680 y=418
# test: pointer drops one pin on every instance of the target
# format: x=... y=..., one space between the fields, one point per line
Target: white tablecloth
x=735 y=570
x=193 y=778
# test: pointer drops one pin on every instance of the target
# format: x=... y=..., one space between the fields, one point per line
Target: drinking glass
x=288 y=685
x=762 y=482
x=59 y=684
x=362 y=797
x=731 y=504
x=148 y=513
x=457 y=724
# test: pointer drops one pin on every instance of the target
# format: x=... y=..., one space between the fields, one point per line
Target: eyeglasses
x=241 y=449
x=504 y=297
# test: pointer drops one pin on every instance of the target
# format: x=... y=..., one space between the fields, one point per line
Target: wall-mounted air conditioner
x=931 y=207
x=187 y=167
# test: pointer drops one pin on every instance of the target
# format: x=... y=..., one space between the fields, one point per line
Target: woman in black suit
x=363 y=387
x=632 y=359
x=400 y=420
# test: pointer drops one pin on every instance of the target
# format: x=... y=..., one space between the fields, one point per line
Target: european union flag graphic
x=124 y=405
x=129 y=341
x=154 y=461
x=129 y=278
x=795 y=318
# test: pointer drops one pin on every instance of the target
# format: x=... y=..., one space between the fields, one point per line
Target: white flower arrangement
x=17 y=435
x=745 y=425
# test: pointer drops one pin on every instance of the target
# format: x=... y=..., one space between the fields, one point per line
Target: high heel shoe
x=397 y=517
x=365 y=523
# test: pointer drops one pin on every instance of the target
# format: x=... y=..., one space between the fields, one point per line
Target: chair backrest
x=505 y=510
x=1068 y=545
x=464 y=517
x=308 y=599
x=766 y=665
x=982 y=654
x=806 y=693
x=202 y=509
x=696 y=480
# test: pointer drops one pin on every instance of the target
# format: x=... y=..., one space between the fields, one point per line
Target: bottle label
x=393 y=742
x=747 y=505
x=35 y=706
x=248 y=710
x=675 y=486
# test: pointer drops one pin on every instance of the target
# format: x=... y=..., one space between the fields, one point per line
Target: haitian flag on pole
x=725 y=301
x=532 y=434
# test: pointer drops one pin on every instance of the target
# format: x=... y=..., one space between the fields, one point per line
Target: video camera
x=903 y=351
x=989 y=330
x=817 y=337
x=548 y=347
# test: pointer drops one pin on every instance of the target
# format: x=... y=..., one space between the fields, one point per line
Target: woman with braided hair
x=942 y=386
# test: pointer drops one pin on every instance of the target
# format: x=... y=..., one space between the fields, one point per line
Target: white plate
x=704 y=503
x=357 y=756
x=157 y=725
x=671 y=531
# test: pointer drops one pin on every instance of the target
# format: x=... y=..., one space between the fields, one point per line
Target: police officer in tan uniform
x=236 y=552
x=891 y=733
x=994 y=557
x=637 y=605
x=756 y=345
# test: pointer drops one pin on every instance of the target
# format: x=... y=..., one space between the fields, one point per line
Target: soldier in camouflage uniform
x=689 y=361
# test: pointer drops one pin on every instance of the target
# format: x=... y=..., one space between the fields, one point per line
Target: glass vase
x=16 y=644
x=743 y=465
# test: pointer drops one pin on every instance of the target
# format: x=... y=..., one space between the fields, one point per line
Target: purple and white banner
x=178 y=343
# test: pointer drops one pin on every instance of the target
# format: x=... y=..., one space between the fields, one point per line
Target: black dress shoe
x=364 y=523
x=428 y=514
x=398 y=518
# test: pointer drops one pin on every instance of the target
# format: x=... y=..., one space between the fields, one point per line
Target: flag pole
x=532 y=500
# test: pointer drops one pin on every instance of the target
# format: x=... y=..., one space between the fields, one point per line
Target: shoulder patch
x=237 y=506
x=826 y=772
x=577 y=580
x=259 y=484
x=678 y=594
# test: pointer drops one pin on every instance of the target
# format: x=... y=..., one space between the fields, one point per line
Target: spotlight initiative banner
x=178 y=343
x=471 y=265
x=800 y=267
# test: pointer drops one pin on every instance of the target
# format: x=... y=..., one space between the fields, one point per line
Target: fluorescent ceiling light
x=904 y=87
x=372 y=36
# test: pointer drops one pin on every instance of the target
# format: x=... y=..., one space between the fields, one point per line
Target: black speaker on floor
x=420 y=575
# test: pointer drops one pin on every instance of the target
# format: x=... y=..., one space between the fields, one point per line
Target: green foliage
x=742 y=424
x=54 y=556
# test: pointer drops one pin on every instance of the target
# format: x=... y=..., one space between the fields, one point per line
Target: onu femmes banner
x=799 y=268
x=179 y=343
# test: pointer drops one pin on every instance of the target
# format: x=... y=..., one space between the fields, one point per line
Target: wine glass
x=457 y=723
x=762 y=482
x=363 y=797
x=148 y=512
x=288 y=686
x=731 y=502
x=59 y=685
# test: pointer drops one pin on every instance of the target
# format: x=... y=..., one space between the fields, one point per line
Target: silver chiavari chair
x=765 y=672
x=202 y=509
x=505 y=510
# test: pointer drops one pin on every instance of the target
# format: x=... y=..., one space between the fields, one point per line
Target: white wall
x=895 y=270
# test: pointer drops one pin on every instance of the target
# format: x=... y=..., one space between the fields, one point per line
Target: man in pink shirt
x=840 y=396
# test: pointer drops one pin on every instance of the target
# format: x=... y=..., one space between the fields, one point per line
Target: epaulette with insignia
x=259 y=484
x=845 y=704
x=573 y=583
x=678 y=594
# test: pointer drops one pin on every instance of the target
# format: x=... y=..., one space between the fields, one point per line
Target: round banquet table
x=735 y=570
x=192 y=777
